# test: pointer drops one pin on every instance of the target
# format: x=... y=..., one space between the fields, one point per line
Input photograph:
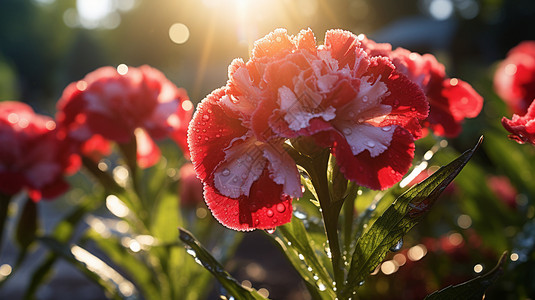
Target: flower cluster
x=108 y=106
x=451 y=100
x=514 y=81
x=364 y=102
x=32 y=158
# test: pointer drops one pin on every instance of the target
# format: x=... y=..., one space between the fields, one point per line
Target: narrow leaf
x=472 y=289
x=94 y=268
x=398 y=219
x=204 y=257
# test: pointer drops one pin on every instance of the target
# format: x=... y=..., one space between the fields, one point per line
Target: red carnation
x=360 y=107
x=522 y=129
x=514 y=79
x=31 y=155
x=141 y=103
x=451 y=100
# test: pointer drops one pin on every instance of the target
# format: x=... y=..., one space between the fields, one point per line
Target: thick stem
x=330 y=212
x=349 y=207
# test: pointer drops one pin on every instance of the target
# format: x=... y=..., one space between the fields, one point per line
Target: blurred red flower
x=141 y=103
x=514 y=80
x=522 y=128
x=360 y=107
x=503 y=189
x=190 y=187
x=32 y=157
x=451 y=100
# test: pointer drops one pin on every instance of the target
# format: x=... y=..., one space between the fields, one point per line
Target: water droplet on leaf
x=397 y=246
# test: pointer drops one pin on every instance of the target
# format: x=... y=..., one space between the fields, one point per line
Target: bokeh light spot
x=389 y=267
x=441 y=9
x=464 y=221
x=179 y=33
x=514 y=256
x=478 y=268
x=417 y=252
x=122 y=69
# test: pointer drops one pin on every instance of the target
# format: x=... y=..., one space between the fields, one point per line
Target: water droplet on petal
x=269 y=213
x=226 y=172
x=365 y=99
x=413 y=108
x=397 y=246
x=275 y=221
x=206 y=117
x=347 y=131
x=386 y=128
x=370 y=143
x=281 y=207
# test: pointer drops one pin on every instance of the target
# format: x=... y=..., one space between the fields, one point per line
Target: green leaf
x=135 y=267
x=398 y=219
x=302 y=250
x=63 y=231
x=472 y=289
x=94 y=268
x=204 y=257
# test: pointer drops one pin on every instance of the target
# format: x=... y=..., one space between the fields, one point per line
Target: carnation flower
x=514 y=80
x=32 y=158
x=522 y=128
x=451 y=100
x=360 y=107
x=142 y=103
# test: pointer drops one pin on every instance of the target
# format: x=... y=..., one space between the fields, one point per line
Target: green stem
x=4 y=205
x=330 y=210
x=349 y=207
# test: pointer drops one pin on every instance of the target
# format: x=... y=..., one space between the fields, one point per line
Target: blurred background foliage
x=46 y=44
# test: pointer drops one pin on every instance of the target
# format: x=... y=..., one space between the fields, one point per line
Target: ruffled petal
x=522 y=128
x=209 y=133
x=265 y=208
x=382 y=171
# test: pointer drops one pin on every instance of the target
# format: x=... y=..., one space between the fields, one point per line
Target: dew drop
x=413 y=108
x=321 y=286
x=269 y=213
x=218 y=135
x=361 y=283
x=301 y=257
x=386 y=128
x=256 y=222
x=270 y=230
x=281 y=207
x=206 y=117
x=316 y=277
x=347 y=131
x=365 y=99
x=275 y=221
x=397 y=246
x=226 y=172
x=360 y=120
x=235 y=179
x=370 y=143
